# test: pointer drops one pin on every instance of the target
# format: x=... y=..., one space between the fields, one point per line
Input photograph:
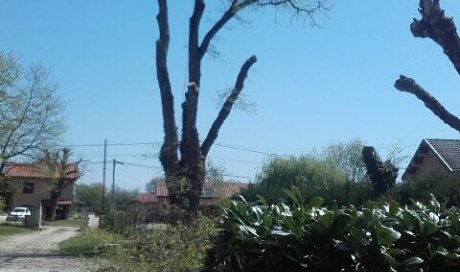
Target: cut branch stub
x=441 y=29
x=405 y=84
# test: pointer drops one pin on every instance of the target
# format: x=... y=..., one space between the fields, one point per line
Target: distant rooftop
x=210 y=189
x=448 y=150
x=37 y=170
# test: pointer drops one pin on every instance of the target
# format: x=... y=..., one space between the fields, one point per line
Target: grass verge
x=89 y=243
x=6 y=230
x=65 y=223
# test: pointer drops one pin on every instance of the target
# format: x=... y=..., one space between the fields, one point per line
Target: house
x=212 y=191
x=434 y=156
x=29 y=185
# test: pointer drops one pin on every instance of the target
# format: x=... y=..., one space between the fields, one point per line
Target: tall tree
x=441 y=29
x=184 y=162
x=347 y=157
x=30 y=109
x=61 y=173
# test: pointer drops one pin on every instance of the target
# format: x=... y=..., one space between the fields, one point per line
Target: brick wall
x=41 y=192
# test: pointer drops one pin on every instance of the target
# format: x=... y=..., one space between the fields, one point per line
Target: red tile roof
x=36 y=170
x=210 y=189
x=65 y=202
x=147 y=197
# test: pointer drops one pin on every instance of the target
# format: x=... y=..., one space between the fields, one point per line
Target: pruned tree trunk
x=184 y=162
x=51 y=216
x=442 y=30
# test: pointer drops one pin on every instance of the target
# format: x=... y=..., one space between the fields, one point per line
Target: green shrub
x=309 y=237
x=445 y=189
x=312 y=176
x=167 y=248
x=124 y=222
x=2 y=204
x=91 y=243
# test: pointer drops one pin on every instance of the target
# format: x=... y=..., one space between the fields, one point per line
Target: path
x=38 y=252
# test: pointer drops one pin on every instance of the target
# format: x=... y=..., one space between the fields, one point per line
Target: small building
x=29 y=185
x=210 y=194
x=212 y=191
x=434 y=157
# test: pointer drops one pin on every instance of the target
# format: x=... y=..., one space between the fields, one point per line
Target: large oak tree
x=184 y=160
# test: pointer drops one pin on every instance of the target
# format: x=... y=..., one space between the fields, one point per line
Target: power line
x=244 y=149
x=112 y=144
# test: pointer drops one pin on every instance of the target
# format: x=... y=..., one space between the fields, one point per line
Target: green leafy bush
x=124 y=221
x=312 y=176
x=2 y=204
x=166 y=248
x=91 y=243
x=446 y=189
x=309 y=237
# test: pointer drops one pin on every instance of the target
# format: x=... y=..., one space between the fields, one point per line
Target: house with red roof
x=211 y=192
x=30 y=184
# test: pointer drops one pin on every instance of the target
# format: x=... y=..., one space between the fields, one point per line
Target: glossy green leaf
x=413 y=261
x=316 y=202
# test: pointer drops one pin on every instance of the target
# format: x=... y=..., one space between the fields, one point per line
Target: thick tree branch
x=441 y=29
x=168 y=154
x=190 y=151
x=227 y=107
x=228 y=14
x=405 y=84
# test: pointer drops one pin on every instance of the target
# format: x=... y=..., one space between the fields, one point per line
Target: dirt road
x=38 y=252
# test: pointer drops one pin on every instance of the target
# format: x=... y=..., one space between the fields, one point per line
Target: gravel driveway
x=37 y=251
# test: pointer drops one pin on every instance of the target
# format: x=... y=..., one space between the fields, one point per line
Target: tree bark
x=168 y=152
x=227 y=107
x=53 y=205
x=441 y=29
x=405 y=84
x=185 y=174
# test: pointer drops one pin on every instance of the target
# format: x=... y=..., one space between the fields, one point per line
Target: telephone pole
x=103 y=176
x=115 y=162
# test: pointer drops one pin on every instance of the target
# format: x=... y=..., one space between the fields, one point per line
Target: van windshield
x=19 y=210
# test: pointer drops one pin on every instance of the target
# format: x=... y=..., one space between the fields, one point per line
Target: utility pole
x=115 y=162
x=103 y=176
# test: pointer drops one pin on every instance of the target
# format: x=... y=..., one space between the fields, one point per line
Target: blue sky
x=312 y=86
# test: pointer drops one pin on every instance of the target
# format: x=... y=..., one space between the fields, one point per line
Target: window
x=28 y=188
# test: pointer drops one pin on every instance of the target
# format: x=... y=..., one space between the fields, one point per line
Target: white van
x=18 y=214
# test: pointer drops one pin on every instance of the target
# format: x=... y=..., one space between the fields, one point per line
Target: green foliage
x=166 y=248
x=90 y=243
x=311 y=176
x=6 y=230
x=445 y=188
x=90 y=196
x=31 y=110
x=346 y=156
x=124 y=221
x=2 y=204
x=308 y=237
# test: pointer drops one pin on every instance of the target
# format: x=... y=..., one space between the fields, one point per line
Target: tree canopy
x=30 y=109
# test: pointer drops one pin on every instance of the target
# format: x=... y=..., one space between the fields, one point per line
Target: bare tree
x=441 y=29
x=61 y=174
x=30 y=110
x=184 y=162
